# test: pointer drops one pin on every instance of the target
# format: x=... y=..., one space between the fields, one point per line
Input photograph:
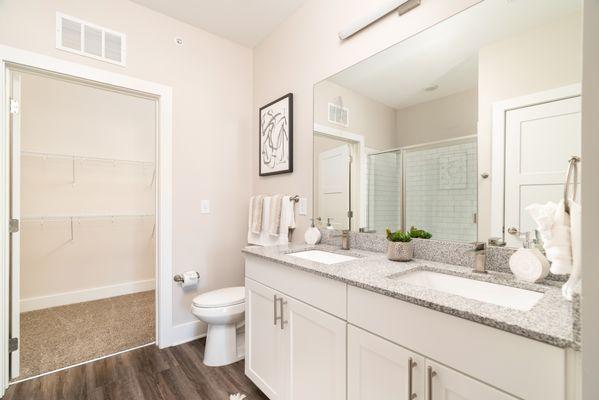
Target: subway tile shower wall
x=384 y=191
x=441 y=190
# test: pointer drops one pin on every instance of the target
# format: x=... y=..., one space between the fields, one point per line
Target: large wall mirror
x=455 y=130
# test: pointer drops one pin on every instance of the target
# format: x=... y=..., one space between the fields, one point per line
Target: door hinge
x=13 y=344
x=350 y=214
x=14 y=106
x=474 y=218
x=13 y=225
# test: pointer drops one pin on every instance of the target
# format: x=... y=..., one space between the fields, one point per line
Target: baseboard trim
x=61 y=299
x=187 y=332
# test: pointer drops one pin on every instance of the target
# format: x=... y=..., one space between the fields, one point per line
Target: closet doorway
x=83 y=181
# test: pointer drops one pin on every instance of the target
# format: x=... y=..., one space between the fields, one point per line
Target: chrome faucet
x=345 y=239
x=480 y=257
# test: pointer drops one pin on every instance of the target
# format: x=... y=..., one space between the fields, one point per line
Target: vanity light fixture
x=403 y=6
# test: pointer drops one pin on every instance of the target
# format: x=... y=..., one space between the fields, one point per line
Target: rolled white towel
x=553 y=224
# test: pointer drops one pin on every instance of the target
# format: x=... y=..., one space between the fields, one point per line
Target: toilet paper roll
x=190 y=278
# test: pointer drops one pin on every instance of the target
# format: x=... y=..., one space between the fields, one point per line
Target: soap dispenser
x=528 y=263
x=312 y=235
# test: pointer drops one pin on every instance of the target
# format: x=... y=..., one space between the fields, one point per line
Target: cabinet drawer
x=325 y=294
x=504 y=360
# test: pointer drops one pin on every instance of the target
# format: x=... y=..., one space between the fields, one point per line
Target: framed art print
x=276 y=137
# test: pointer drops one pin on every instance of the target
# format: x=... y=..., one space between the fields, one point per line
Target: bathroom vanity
x=355 y=329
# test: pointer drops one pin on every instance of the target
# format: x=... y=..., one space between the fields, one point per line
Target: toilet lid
x=221 y=297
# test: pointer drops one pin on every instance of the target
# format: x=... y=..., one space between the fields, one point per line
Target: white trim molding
x=498 y=145
x=163 y=95
x=79 y=296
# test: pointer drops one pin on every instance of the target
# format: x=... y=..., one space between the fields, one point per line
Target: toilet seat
x=220 y=298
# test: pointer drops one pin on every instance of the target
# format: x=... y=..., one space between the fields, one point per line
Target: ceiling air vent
x=338 y=114
x=80 y=37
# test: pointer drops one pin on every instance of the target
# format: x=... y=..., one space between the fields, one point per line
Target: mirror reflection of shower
x=431 y=186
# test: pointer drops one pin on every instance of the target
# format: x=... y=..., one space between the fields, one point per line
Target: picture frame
x=275 y=134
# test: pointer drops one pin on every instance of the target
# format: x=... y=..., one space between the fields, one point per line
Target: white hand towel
x=573 y=285
x=553 y=223
x=274 y=224
x=287 y=223
x=256 y=211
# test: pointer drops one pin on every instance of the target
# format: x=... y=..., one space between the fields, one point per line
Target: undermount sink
x=506 y=296
x=323 y=257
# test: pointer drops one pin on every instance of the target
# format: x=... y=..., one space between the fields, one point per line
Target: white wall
x=367 y=117
x=590 y=200
x=544 y=58
x=441 y=119
x=105 y=257
x=212 y=108
x=305 y=50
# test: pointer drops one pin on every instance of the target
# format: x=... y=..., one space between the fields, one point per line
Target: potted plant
x=419 y=233
x=400 y=246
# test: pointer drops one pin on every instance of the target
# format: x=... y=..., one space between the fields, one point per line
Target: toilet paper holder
x=179 y=277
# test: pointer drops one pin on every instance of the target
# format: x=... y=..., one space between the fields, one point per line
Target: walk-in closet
x=85 y=181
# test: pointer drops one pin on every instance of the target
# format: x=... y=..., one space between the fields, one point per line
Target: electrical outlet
x=205 y=206
x=303 y=206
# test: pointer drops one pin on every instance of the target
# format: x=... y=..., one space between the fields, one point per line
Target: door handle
x=431 y=374
x=512 y=230
x=411 y=365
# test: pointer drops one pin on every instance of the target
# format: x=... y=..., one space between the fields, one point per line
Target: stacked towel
x=278 y=219
x=553 y=223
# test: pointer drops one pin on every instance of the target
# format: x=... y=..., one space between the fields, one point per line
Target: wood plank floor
x=147 y=373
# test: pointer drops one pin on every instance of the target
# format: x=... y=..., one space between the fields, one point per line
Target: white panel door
x=333 y=186
x=447 y=384
x=539 y=141
x=265 y=348
x=378 y=369
x=15 y=214
x=316 y=353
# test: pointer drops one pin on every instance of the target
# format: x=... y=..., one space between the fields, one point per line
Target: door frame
x=359 y=144
x=498 y=133
x=10 y=56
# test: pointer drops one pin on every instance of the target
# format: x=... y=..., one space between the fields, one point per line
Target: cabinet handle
x=411 y=365
x=431 y=374
x=282 y=305
x=274 y=311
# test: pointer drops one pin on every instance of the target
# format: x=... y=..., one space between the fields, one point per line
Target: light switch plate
x=303 y=206
x=205 y=206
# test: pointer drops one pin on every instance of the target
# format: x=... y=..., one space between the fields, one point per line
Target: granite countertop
x=550 y=320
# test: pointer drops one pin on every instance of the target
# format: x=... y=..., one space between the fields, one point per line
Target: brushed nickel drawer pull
x=411 y=365
x=274 y=303
x=431 y=375
x=282 y=310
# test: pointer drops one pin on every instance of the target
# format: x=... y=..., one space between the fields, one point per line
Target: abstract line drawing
x=276 y=136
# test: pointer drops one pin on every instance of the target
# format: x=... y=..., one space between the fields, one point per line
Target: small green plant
x=398 y=236
x=419 y=233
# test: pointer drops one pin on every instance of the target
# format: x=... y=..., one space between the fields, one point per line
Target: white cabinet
x=378 y=369
x=293 y=351
x=447 y=384
x=317 y=349
x=264 y=341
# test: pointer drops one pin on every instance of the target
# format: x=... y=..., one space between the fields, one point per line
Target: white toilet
x=223 y=310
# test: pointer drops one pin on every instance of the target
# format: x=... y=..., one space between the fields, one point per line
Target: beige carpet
x=57 y=337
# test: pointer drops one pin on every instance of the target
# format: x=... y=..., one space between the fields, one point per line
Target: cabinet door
x=316 y=353
x=265 y=348
x=447 y=384
x=380 y=370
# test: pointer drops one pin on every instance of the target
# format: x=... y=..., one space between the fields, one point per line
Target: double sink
x=486 y=292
